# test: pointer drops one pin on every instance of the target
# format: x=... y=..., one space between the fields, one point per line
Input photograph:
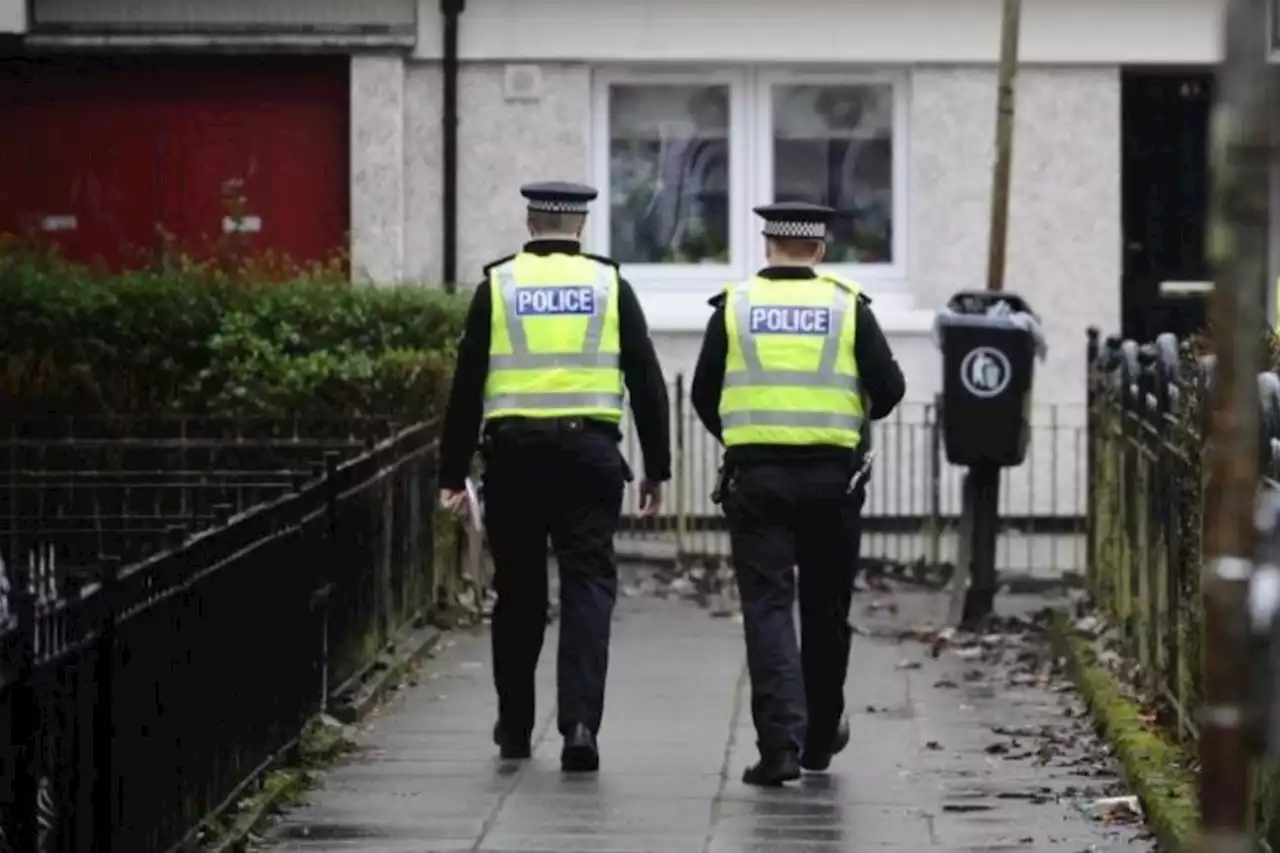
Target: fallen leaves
x=709 y=583
x=1009 y=661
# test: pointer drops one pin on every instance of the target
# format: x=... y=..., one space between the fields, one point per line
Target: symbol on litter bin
x=985 y=372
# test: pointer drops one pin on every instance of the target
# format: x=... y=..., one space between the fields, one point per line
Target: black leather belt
x=545 y=426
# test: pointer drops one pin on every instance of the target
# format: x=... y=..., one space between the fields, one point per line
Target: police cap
x=558 y=197
x=796 y=220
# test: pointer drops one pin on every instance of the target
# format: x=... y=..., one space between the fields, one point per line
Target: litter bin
x=988 y=359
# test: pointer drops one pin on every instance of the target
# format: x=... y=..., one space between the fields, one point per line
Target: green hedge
x=197 y=340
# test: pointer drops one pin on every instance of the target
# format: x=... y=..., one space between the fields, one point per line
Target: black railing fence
x=142 y=697
x=77 y=488
x=912 y=515
x=1147 y=434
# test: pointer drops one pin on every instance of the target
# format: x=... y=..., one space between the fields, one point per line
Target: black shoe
x=773 y=769
x=818 y=760
x=511 y=747
x=580 y=754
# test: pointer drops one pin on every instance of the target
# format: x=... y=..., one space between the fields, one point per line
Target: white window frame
x=750 y=179
x=1273 y=231
x=678 y=278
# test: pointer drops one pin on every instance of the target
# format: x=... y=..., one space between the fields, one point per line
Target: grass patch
x=1156 y=768
x=323 y=742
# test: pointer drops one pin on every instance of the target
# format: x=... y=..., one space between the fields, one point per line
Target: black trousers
x=564 y=486
x=783 y=518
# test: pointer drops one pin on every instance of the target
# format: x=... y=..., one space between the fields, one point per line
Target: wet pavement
x=958 y=745
x=1020 y=555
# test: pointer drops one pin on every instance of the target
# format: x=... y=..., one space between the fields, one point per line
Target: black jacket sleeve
x=650 y=404
x=708 y=375
x=466 y=398
x=882 y=379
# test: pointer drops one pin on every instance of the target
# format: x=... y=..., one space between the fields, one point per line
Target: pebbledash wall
x=1065 y=233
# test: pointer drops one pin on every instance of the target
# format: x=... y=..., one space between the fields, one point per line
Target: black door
x=1164 y=197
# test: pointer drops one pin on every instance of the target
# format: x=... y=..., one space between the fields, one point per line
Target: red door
x=77 y=171
x=216 y=193
x=96 y=189
x=102 y=157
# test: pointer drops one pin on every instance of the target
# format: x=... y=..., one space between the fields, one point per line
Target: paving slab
x=926 y=769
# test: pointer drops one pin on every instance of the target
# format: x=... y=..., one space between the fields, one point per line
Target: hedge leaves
x=196 y=341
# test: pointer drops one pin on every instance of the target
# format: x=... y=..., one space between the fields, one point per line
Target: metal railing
x=141 y=701
x=912 y=514
x=80 y=487
x=1146 y=498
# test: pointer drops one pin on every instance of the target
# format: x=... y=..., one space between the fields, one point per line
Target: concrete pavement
x=940 y=758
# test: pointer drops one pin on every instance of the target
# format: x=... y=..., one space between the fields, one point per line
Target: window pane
x=669 y=174
x=833 y=145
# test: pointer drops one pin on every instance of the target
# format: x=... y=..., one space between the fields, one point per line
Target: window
x=669 y=173
x=683 y=158
x=833 y=145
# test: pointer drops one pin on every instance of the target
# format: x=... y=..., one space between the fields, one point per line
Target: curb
x=282 y=784
x=279 y=789
x=1153 y=767
x=353 y=702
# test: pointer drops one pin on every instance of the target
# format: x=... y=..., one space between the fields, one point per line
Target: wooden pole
x=1237 y=253
x=1009 y=29
x=980 y=514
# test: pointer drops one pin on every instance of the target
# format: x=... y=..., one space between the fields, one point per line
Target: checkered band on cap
x=796 y=230
x=560 y=206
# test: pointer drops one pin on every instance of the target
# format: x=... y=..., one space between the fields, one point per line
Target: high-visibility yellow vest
x=790 y=375
x=554 y=339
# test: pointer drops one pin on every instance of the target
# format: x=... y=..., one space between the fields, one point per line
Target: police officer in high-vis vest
x=553 y=338
x=792 y=368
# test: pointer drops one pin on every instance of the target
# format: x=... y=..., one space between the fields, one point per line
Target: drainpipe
x=450 y=12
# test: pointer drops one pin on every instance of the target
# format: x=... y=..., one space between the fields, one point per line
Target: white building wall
x=378 y=185
x=1064 y=252
x=13 y=16
x=496 y=156
x=1064 y=227
x=503 y=144
x=424 y=180
x=206 y=16
x=1102 y=32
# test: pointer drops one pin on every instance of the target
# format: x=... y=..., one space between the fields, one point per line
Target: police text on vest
x=789 y=320
x=558 y=300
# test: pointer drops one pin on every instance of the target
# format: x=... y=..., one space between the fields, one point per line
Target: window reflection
x=669 y=174
x=833 y=145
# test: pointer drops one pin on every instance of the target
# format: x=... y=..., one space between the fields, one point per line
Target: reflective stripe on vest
x=558 y=402
x=752 y=376
x=808 y=420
